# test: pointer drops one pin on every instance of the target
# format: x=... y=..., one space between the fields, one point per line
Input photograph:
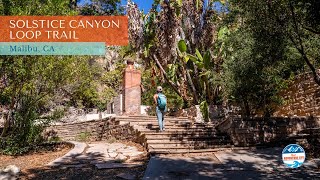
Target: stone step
x=152 y=118
x=155 y=120
x=155 y=124
x=186 y=141
x=182 y=124
x=146 y=124
x=146 y=117
x=186 y=146
x=314 y=131
x=187 y=121
x=155 y=127
x=172 y=128
x=187 y=137
x=182 y=133
x=178 y=129
x=196 y=151
x=167 y=137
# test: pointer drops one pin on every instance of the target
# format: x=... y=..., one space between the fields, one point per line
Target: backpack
x=162 y=101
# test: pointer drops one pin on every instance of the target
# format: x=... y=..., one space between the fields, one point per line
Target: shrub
x=84 y=136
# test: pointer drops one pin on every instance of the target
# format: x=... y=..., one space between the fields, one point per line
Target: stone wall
x=216 y=112
x=115 y=106
x=95 y=130
x=117 y=101
x=302 y=98
x=256 y=130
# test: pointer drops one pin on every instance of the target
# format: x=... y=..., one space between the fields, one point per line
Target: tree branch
x=301 y=48
x=312 y=30
x=175 y=88
x=194 y=91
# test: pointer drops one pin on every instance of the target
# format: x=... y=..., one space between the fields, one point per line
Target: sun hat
x=159 y=89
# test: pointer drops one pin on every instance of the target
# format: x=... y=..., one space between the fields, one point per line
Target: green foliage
x=204 y=110
x=36 y=7
x=188 y=65
x=54 y=139
x=253 y=74
x=209 y=79
x=292 y=21
x=269 y=43
x=114 y=78
x=9 y=146
x=150 y=82
x=84 y=136
x=182 y=46
x=102 y=7
x=32 y=86
x=30 y=83
x=112 y=82
x=111 y=140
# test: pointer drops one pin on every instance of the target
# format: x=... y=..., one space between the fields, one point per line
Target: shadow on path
x=83 y=167
x=258 y=164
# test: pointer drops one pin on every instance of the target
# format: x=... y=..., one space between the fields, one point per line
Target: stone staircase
x=181 y=135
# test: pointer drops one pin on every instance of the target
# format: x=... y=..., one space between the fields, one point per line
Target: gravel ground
x=85 y=173
x=35 y=159
x=33 y=166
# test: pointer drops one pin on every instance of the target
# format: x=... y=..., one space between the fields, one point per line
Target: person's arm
x=155 y=99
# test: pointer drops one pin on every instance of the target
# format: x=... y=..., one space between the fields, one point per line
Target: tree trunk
x=174 y=87
x=247 y=112
x=194 y=91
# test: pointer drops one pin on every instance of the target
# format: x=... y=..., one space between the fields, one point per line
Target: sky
x=146 y=5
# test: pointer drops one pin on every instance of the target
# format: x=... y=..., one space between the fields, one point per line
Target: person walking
x=161 y=107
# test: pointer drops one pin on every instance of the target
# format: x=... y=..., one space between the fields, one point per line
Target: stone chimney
x=131 y=90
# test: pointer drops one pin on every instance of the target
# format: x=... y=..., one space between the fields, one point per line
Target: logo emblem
x=293 y=156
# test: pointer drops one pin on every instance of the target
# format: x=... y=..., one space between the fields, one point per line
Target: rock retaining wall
x=216 y=112
x=302 y=98
x=256 y=131
x=95 y=130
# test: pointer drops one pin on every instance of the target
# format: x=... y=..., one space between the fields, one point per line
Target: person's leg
x=163 y=128
x=160 y=118
x=163 y=113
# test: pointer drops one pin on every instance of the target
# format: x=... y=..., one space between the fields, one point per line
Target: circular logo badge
x=293 y=156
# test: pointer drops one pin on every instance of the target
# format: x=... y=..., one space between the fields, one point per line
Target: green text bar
x=52 y=48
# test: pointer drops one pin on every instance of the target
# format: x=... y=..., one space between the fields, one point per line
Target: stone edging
x=80 y=122
x=78 y=149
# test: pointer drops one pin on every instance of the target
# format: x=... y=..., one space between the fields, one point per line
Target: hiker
x=161 y=107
